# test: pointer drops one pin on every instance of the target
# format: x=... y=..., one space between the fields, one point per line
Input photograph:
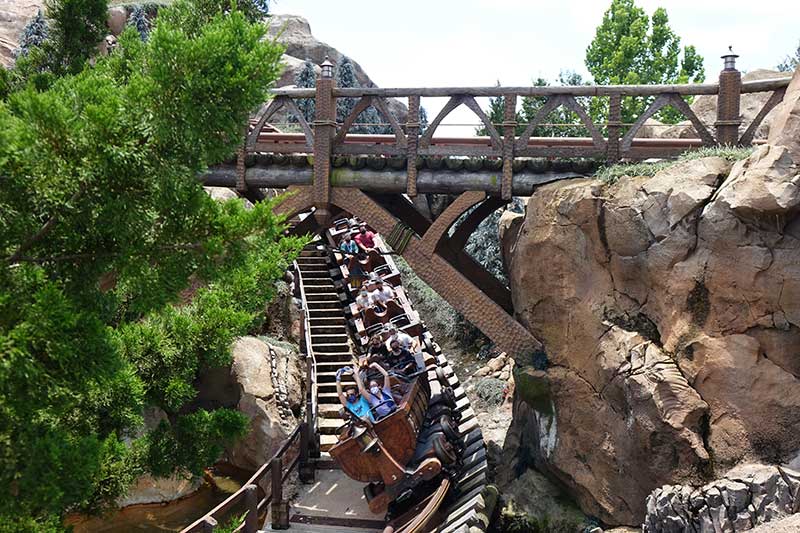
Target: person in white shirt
x=406 y=341
x=382 y=293
x=364 y=300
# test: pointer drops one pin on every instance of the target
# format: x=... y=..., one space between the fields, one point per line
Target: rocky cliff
x=669 y=307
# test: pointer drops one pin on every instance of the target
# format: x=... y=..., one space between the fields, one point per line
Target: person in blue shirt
x=348 y=245
x=380 y=398
x=350 y=399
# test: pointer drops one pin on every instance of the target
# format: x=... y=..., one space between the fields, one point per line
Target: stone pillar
x=324 y=131
x=730 y=89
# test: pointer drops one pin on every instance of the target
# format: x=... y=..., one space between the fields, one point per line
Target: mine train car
x=419 y=442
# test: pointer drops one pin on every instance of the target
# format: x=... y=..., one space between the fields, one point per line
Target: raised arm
x=339 y=391
x=380 y=369
x=361 y=389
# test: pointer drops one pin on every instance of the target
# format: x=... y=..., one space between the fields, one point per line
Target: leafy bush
x=490 y=390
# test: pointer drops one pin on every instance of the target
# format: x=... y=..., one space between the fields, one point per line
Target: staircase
x=330 y=342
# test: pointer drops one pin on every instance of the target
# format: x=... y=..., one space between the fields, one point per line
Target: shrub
x=490 y=390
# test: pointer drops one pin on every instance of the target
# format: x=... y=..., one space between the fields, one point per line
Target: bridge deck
x=333 y=500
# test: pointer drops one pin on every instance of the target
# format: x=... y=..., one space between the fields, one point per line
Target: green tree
x=103 y=224
x=306 y=79
x=77 y=26
x=345 y=78
x=629 y=48
x=33 y=35
x=496 y=115
x=138 y=21
x=790 y=62
x=423 y=120
x=565 y=122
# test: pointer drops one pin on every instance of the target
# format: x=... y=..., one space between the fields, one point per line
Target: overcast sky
x=415 y=43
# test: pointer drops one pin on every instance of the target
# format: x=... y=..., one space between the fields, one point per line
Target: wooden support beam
x=412 y=143
x=389 y=181
x=614 y=129
x=251 y=504
x=509 y=131
x=279 y=508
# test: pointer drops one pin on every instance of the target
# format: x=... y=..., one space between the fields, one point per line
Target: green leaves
x=121 y=280
x=630 y=49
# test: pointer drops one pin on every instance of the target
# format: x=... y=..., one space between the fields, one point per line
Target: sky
x=434 y=43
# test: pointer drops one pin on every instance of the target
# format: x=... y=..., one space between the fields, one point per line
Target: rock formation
x=669 y=308
x=294 y=32
x=14 y=15
x=747 y=496
x=269 y=379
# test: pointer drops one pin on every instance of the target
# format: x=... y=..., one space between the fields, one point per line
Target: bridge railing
x=311 y=435
x=268 y=480
x=612 y=140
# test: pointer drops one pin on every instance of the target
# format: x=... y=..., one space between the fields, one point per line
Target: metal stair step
x=329 y=347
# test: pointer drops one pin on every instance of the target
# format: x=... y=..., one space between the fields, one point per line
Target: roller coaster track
x=328 y=500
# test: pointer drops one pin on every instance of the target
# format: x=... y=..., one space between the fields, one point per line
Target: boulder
x=786 y=119
x=270 y=422
x=746 y=496
x=14 y=15
x=669 y=308
x=148 y=489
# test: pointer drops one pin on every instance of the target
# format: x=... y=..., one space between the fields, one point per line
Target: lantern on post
x=730 y=59
x=730 y=89
x=327 y=69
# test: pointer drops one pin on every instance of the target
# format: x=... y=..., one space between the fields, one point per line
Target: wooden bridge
x=384 y=179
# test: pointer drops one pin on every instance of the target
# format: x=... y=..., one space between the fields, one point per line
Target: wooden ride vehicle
x=413 y=444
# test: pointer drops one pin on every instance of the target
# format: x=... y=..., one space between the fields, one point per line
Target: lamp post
x=730 y=90
x=324 y=130
x=327 y=69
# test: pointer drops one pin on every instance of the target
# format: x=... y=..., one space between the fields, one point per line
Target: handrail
x=211 y=518
x=311 y=362
x=573 y=90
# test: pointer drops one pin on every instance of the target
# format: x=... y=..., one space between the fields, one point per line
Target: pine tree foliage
x=33 y=35
x=423 y=120
x=345 y=78
x=138 y=21
x=76 y=27
x=103 y=227
x=630 y=48
x=790 y=62
x=306 y=79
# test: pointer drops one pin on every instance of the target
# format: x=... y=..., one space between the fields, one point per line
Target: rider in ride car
x=380 y=398
x=365 y=238
x=406 y=341
x=364 y=300
x=400 y=359
x=382 y=293
x=348 y=246
x=351 y=400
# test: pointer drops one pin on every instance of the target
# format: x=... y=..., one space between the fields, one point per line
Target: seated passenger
x=382 y=293
x=363 y=300
x=351 y=400
x=380 y=398
x=406 y=341
x=365 y=238
x=378 y=351
x=400 y=360
x=348 y=246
